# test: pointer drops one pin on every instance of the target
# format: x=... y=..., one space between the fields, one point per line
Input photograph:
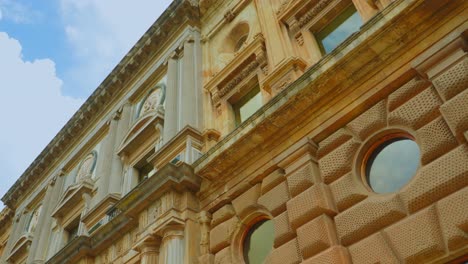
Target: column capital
x=173 y=231
x=150 y=243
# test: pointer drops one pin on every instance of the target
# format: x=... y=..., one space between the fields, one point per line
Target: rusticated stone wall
x=324 y=212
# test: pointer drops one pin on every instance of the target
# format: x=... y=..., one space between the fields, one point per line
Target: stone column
x=116 y=177
x=149 y=252
x=174 y=244
x=105 y=158
x=42 y=232
x=171 y=112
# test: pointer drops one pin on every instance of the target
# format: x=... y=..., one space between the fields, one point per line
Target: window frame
x=334 y=23
x=378 y=145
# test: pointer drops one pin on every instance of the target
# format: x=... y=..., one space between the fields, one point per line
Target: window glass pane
x=259 y=242
x=339 y=29
x=392 y=165
x=250 y=107
x=247 y=105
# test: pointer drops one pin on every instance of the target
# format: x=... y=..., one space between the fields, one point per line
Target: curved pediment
x=146 y=127
x=73 y=195
x=21 y=246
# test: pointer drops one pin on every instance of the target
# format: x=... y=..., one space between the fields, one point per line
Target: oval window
x=392 y=164
x=259 y=242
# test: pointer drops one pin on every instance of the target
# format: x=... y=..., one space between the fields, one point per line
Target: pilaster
x=42 y=232
x=117 y=166
x=104 y=164
x=171 y=108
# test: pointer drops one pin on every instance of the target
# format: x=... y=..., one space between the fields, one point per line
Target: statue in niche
x=86 y=167
x=34 y=219
x=154 y=100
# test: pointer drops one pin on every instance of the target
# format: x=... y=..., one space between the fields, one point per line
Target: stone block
x=333 y=141
x=368 y=217
x=222 y=214
x=309 y=204
x=221 y=235
x=417 y=238
x=285 y=254
x=438 y=179
x=418 y=111
x=316 y=236
x=333 y=255
x=223 y=257
x=373 y=249
x=455 y=112
x=348 y=191
x=370 y=121
x=338 y=162
x=283 y=230
x=453 y=216
x=275 y=200
x=247 y=201
x=406 y=92
x=435 y=139
x=272 y=180
x=453 y=81
x=302 y=178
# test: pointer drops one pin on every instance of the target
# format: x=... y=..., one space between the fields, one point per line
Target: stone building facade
x=263 y=131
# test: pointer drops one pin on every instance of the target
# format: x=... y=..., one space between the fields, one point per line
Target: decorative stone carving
x=205 y=218
x=87 y=166
x=229 y=16
x=154 y=99
x=313 y=12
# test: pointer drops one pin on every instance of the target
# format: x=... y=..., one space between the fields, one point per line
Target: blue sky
x=53 y=54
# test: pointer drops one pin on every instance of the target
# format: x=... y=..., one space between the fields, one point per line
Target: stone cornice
x=179 y=13
x=6 y=215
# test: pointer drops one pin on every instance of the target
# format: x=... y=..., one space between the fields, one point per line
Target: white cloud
x=32 y=110
x=17 y=12
x=100 y=33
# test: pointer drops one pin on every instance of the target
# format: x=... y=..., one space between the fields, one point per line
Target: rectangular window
x=247 y=105
x=339 y=29
x=72 y=229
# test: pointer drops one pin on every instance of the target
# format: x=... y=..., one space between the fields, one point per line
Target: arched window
x=258 y=242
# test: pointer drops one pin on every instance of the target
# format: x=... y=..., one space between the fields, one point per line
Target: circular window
x=391 y=163
x=259 y=242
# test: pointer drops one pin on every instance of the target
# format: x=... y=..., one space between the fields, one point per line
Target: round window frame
x=382 y=140
x=248 y=231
